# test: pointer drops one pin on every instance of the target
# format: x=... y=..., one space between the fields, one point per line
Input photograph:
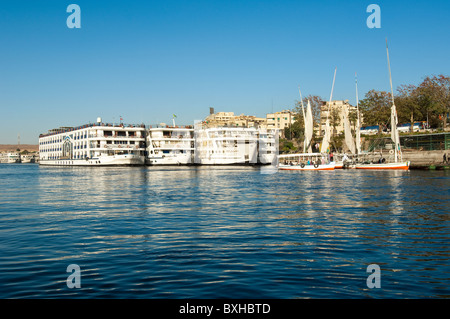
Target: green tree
x=335 y=120
x=352 y=118
x=296 y=130
x=316 y=105
x=407 y=104
x=286 y=146
x=434 y=95
x=376 y=108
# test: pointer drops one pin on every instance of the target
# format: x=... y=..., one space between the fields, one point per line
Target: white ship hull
x=267 y=158
x=167 y=159
x=400 y=165
x=225 y=161
x=321 y=167
x=28 y=159
x=11 y=158
x=113 y=160
x=170 y=146
x=93 y=145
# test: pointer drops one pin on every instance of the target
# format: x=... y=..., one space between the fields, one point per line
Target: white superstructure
x=268 y=146
x=9 y=158
x=93 y=144
x=235 y=145
x=170 y=145
x=108 y=144
x=28 y=158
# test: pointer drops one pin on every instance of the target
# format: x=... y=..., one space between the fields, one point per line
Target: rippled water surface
x=222 y=232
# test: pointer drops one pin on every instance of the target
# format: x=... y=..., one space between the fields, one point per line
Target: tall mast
x=331 y=95
x=326 y=138
x=390 y=76
x=394 y=121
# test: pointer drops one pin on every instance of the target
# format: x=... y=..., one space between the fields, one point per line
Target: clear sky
x=147 y=60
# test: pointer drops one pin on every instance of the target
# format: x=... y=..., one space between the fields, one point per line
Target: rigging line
x=331 y=95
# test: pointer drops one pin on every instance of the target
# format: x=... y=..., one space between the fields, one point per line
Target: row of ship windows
x=77 y=147
x=108 y=142
x=58 y=149
x=75 y=157
x=60 y=139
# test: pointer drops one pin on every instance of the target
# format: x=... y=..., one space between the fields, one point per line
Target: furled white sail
x=358 y=134
x=394 y=120
x=326 y=138
x=304 y=119
x=394 y=132
x=308 y=128
x=358 y=122
x=348 y=132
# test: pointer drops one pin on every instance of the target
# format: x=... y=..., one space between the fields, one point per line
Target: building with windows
x=335 y=114
x=280 y=120
x=229 y=119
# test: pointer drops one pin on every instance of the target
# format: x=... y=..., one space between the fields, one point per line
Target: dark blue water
x=227 y=232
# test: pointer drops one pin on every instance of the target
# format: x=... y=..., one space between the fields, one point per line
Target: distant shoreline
x=22 y=147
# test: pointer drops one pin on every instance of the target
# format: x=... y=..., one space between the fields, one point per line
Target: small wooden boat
x=305 y=162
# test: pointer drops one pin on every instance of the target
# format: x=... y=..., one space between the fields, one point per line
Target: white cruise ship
x=98 y=144
x=170 y=145
x=10 y=158
x=225 y=145
x=268 y=146
x=28 y=158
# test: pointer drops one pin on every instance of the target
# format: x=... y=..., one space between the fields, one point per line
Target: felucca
x=398 y=160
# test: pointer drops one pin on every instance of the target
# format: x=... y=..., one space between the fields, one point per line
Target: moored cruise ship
x=268 y=146
x=99 y=144
x=226 y=145
x=170 y=145
x=10 y=158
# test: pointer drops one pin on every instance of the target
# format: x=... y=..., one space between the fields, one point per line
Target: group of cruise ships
x=104 y=144
x=12 y=158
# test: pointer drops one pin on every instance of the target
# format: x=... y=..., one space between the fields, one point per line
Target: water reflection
x=224 y=232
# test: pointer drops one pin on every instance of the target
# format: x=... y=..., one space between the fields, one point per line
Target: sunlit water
x=222 y=232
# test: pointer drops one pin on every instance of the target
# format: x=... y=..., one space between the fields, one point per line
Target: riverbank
x=427 y=159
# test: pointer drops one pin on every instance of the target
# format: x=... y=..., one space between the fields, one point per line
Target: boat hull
x=339 y=165
x=176 y=159
x=325 y=167
x=114 y=160
x=378 y=166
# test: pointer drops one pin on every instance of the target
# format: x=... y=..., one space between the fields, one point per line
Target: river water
x=223 y=232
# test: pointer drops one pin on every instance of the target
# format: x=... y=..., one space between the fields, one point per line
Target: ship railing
x=76 y=128
x=114 y=136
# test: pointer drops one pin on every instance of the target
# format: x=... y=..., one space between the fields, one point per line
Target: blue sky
x=147 y=60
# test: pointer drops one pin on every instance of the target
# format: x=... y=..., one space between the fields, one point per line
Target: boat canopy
x=302 y=154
